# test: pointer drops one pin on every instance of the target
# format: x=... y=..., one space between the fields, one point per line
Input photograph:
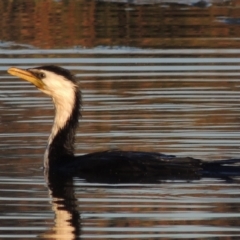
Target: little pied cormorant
x=59 y=157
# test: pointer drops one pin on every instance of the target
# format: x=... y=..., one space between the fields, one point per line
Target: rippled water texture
x=155 y=76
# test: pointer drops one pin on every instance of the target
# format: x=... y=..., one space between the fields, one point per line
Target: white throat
x=62 y=92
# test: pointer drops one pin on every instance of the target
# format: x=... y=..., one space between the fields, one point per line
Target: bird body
x=111 y=166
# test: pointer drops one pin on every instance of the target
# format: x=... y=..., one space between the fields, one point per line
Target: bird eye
x=41 y=75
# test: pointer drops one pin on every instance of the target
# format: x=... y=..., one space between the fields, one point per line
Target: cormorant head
x=55 y=81
x=61 y=85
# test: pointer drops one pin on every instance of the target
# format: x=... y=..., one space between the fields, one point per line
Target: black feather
x=59 y=71
x=121 y=166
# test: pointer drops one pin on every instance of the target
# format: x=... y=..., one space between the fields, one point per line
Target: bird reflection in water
x=64 y=204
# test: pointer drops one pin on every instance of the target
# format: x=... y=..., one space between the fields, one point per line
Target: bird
x=111 y=165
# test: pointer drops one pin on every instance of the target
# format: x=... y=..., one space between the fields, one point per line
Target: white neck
x=64 y=99
x=62 y=114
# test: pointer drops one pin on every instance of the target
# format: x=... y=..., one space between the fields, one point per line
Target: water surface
x=154 y=77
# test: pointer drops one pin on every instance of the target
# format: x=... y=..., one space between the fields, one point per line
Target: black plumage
x=108 y=166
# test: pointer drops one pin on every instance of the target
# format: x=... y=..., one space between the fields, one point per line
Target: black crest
x=58 y=70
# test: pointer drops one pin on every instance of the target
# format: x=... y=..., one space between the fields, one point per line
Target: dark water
x=158 y=77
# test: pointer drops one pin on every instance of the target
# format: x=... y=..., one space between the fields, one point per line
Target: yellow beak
x=26 y=75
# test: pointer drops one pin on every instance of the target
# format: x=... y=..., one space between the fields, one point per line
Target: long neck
x=60 y=145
